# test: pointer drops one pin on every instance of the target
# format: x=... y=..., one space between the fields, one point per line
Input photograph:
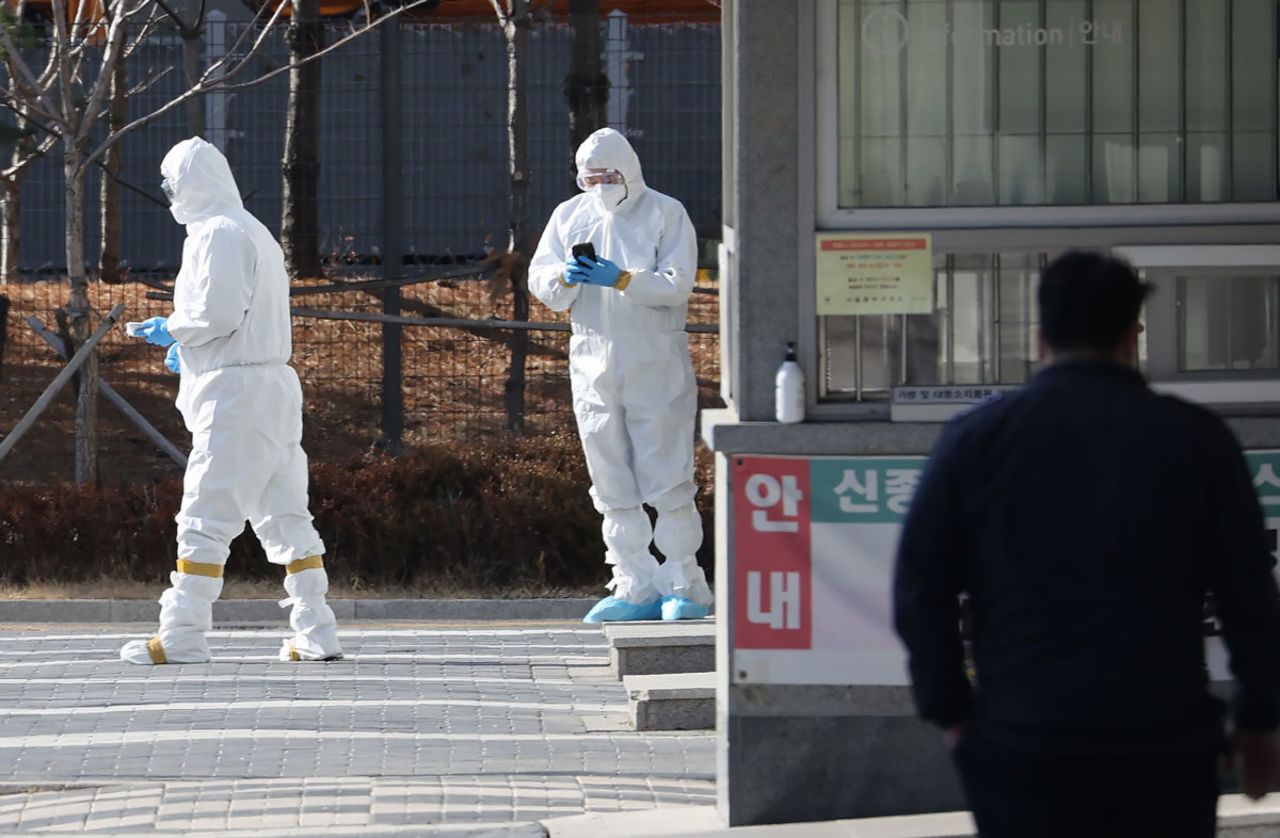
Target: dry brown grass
x=453 y=378
x=467 y=510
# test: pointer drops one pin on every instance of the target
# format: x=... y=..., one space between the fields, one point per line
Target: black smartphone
x=588 y=250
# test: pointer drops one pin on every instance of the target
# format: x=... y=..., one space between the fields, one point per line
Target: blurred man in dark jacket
x=1087 y=518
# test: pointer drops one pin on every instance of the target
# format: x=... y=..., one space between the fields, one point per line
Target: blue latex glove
x=601 y=272
x=156 y=331
x=171 y=359
x=572 y=273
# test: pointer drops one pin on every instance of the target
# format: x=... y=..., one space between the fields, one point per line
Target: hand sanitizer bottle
x=789 y=389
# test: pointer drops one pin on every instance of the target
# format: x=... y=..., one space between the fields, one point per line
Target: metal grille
x=455 y=207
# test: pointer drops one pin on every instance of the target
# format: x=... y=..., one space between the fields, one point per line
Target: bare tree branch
x=119 y=14
x=150 y=80
x=257 y=44
x=215 y=68
x=50 y=72
x=336 y=45
x=46 y=145
x=185 y=30
x=19 y=69
x=222 y=83
x=15 y=103
x=111 y=55
x=78 y=34
x=175 y=17
x=61 y=49
x=144 y=33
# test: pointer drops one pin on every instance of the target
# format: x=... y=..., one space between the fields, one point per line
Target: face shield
x=608 y=185
x=588 y=178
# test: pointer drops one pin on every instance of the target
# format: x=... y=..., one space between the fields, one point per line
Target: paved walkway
x=423 y=730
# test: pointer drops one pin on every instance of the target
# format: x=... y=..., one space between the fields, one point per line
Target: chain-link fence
x=665 y=92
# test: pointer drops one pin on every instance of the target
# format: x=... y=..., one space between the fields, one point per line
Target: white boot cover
x=186 y=613
x=678 y=536
x=627 y=533
x=315 y=628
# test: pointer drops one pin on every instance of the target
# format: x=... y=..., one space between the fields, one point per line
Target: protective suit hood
x=202 y=182
x=608 y=149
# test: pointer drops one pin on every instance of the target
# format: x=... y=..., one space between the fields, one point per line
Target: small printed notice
x=875 y=274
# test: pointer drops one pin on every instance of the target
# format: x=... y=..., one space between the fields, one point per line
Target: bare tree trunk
x=4 y=330
x=586 y=88
x=81 y=317
x=299 y=228
x=516 y=29
x=109 y=192
x=11 y=233
x=11 y=230
x=193 y=66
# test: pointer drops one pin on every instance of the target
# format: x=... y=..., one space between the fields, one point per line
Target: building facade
x=897 y=172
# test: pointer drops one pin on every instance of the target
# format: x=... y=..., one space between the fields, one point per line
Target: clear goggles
x=595 y=177
x=167 y=188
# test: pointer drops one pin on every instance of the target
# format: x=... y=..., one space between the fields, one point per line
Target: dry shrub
x=508 y=515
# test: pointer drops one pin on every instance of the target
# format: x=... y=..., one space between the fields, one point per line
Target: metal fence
x=665 y=95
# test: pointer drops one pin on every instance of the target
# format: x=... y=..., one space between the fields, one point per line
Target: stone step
x=684 y=701
x=661 y=648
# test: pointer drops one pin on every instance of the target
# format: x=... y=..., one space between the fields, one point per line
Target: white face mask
x=611 y=195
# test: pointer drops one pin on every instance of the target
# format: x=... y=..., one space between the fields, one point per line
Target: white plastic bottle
x=788 y=389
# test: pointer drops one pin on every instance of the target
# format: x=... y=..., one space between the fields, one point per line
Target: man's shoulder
x=1197 y=419
x=990 y=410
x=973 y=427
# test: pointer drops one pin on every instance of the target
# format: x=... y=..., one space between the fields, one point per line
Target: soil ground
x=453 y=383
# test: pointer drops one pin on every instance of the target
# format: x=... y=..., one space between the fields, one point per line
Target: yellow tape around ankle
x=309 y=563
x=156 y=650
x=212 y=571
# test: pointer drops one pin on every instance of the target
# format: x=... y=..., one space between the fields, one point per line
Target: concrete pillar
x=764 y=152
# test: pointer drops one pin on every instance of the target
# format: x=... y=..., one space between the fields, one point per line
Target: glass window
x=1056 y=102
x=1228 y=322
x=982 y=331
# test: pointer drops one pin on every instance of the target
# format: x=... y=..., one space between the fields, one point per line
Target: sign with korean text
x=814 y=541
x=1264 y=468
x=773 y=608
x=890 y=273
x=949 y=394
x=813 y=553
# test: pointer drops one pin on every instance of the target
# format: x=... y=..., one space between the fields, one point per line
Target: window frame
x=945 y=269
x=830 y=216
x=1161 y=266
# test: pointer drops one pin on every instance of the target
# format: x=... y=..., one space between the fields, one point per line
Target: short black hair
x=1089 y=302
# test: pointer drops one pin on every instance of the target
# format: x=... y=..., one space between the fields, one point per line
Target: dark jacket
x=1087 y=517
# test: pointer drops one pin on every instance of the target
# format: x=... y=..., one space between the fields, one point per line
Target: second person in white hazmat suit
x=230 y=337
x=634 y=393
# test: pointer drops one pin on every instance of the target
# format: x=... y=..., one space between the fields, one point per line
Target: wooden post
x=115 y=398
x=82 y=356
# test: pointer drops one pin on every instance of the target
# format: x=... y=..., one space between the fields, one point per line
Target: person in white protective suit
x=230 y=337
x=634 y=394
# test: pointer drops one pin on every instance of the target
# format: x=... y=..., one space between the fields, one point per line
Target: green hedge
x=505 y=515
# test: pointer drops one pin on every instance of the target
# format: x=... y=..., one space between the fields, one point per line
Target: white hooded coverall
x=242 y=403
x=634 y=392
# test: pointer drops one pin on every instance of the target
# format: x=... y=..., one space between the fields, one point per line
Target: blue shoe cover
x=679 y=608
x=611 y=609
